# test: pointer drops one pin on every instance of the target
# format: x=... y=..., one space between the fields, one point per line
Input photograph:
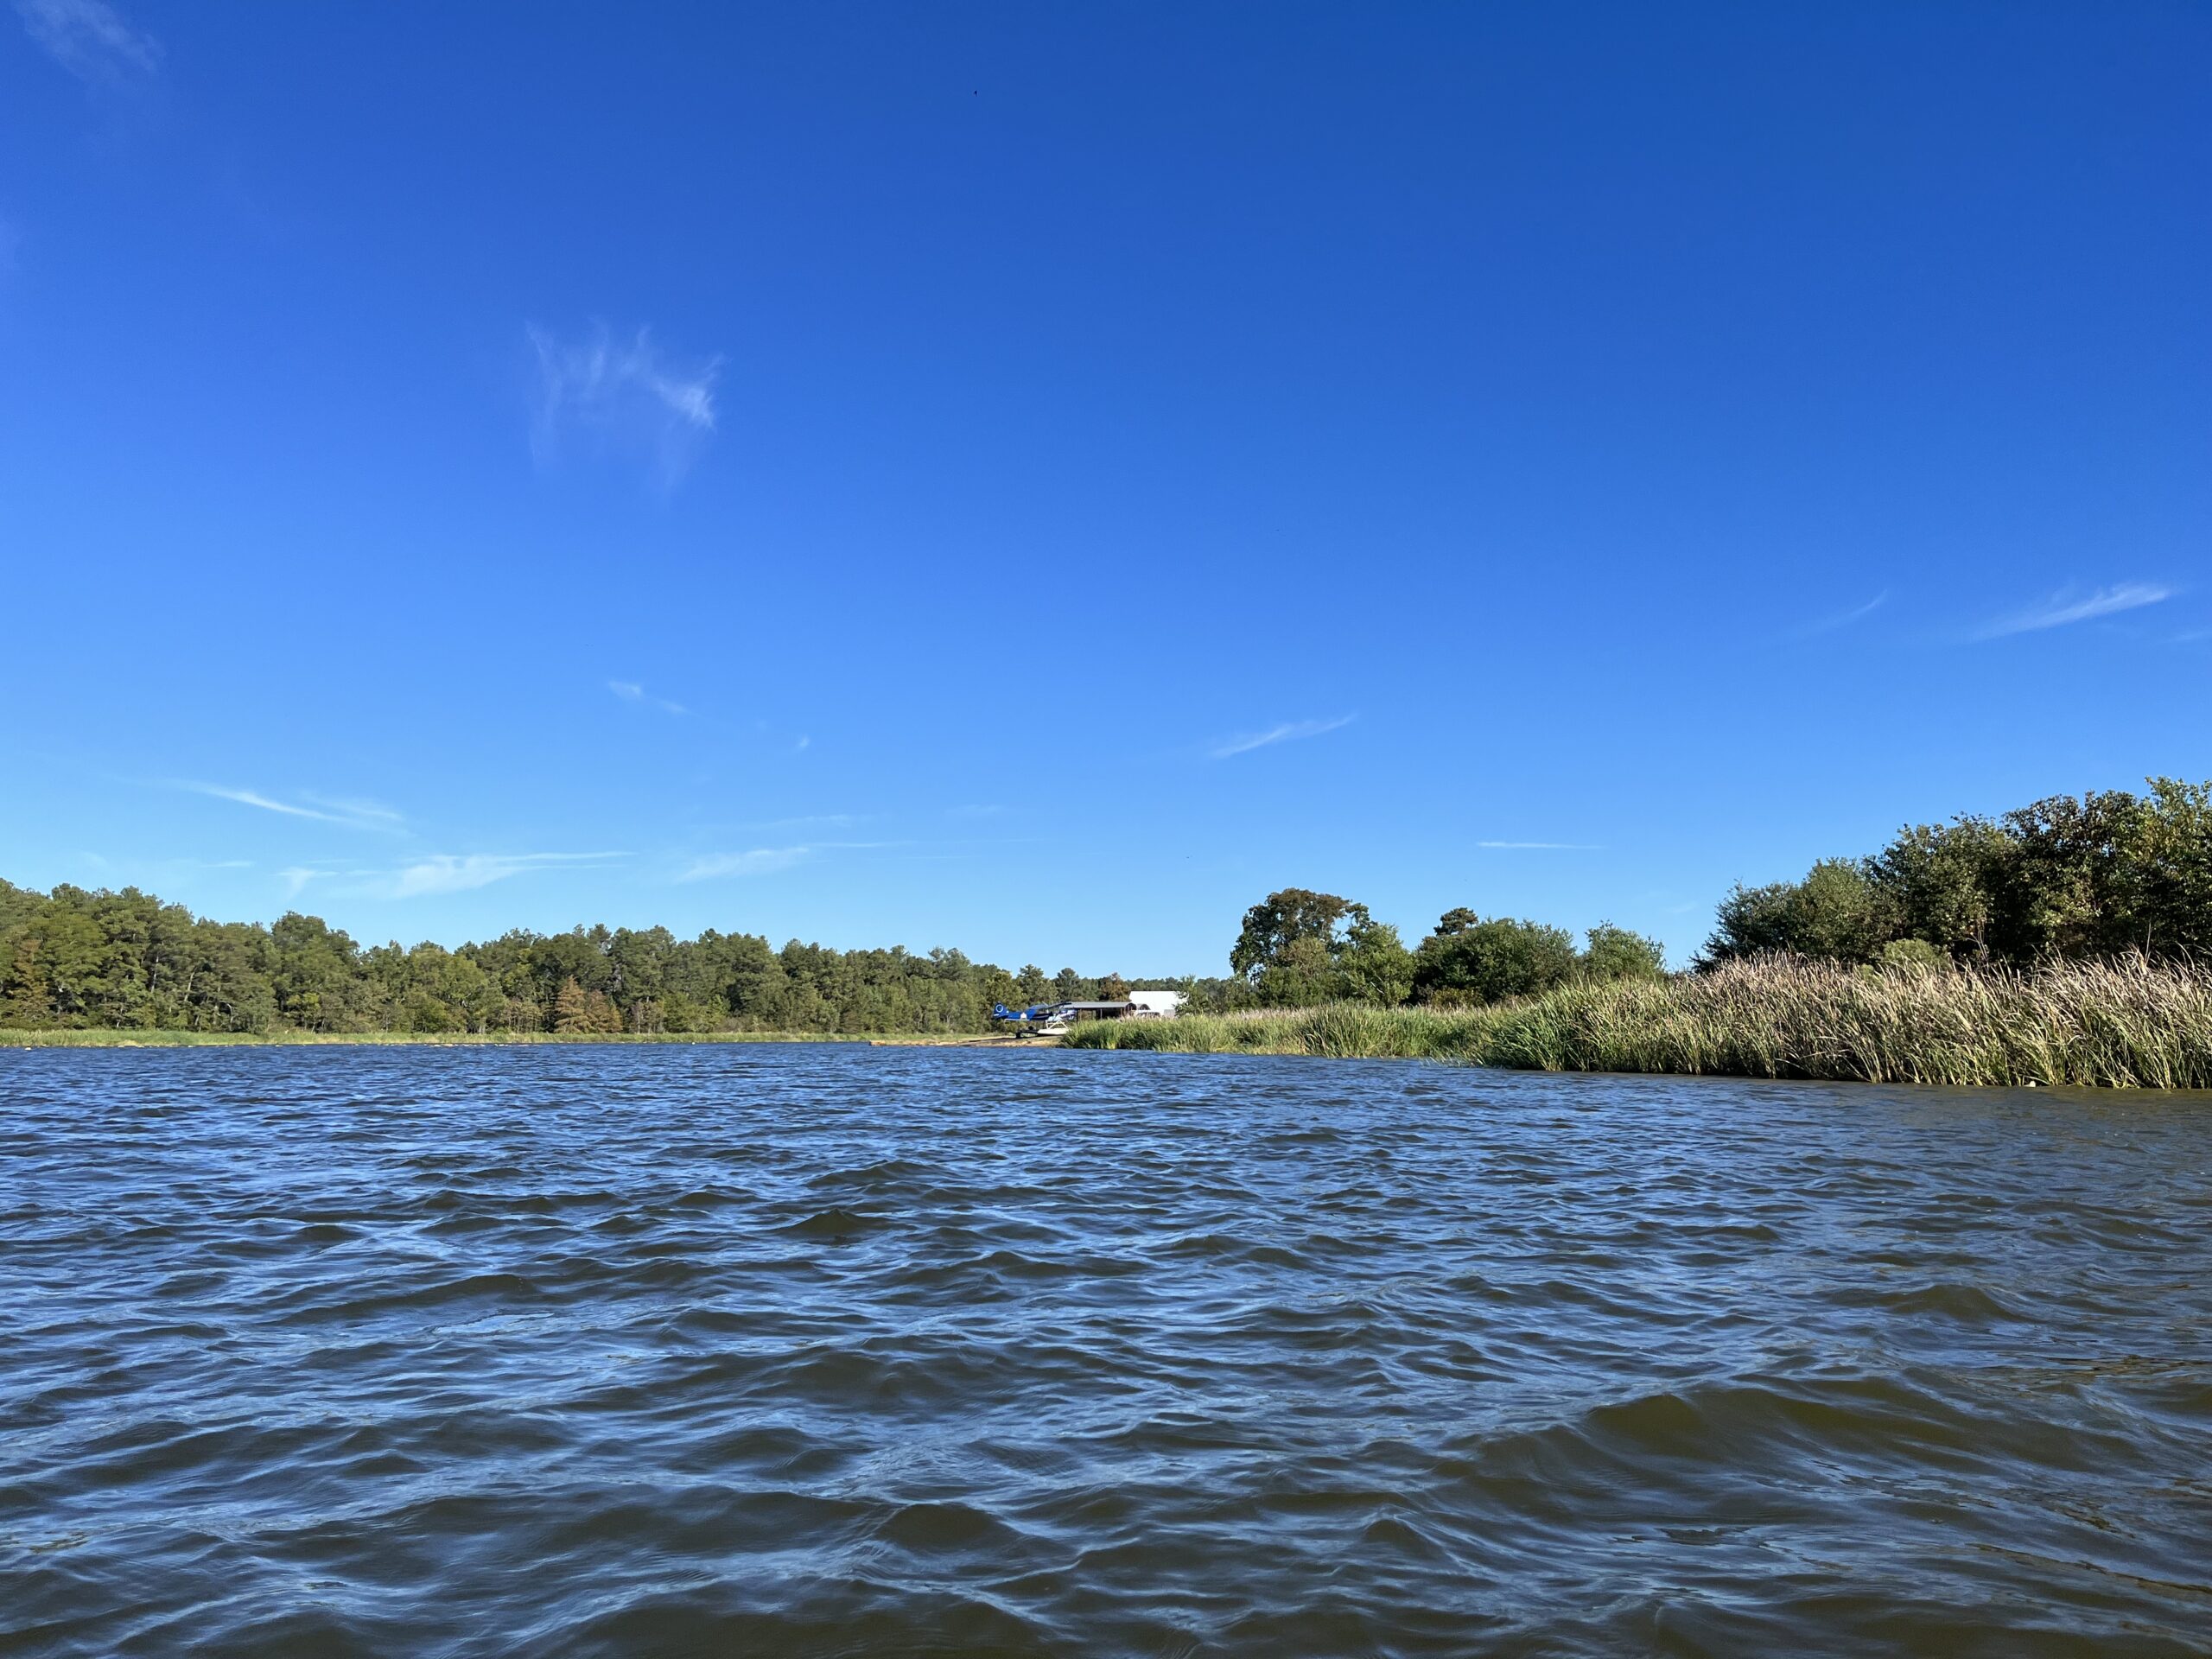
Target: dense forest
x=2099 y=875
x=74 y=958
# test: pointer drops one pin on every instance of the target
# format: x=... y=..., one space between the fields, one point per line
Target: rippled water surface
x=831 y=1350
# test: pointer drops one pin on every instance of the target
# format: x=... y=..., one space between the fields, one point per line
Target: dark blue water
x=837 y=1351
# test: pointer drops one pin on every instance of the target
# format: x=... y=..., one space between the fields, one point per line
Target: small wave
x=324 y=1307
x=960 y=1528
x=837 y=1223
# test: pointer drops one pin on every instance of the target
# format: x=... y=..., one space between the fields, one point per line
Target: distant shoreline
x=2128 y=1023
x=109 y=1037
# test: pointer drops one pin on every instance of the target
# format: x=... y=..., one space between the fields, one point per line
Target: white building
x=1155 y=1005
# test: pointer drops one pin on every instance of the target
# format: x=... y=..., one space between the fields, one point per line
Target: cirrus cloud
x=91 y=39
x=354 y=814
x=1290 y=731
x=2065 y=607
x=452 y=873
x=621 y=395
x=758 y=860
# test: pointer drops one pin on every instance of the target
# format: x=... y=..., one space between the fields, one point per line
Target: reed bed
x=2129 y=1023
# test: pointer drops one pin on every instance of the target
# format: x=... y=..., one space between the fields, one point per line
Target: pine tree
x=569 y=1011
x=26 y=1003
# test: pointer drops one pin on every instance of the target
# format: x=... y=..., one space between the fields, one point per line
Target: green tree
x=70 y=956
x=2081 y=882
x=1298 y=974
x=1374 y=965
x=1281 y=920
x=2175 y=848
x=425 y=1012
x=681 y=1014
x=26 y=996
x=1840 y=913
x=17 y=906
x=1837 y=912
x=315 y=973
x=1486 y=961
x=640 y=963
x=1615 y=953
x=1942 y=882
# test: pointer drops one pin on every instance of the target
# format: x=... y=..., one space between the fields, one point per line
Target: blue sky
x=1036 y=478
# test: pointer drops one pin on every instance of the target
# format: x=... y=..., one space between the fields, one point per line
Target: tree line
x=126 y=959
x=1299 y=947
x=2099 y=875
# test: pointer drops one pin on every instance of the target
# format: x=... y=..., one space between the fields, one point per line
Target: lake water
x=819 y=1350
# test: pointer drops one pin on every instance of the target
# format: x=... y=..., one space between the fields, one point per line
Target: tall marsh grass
x=2124 y=1024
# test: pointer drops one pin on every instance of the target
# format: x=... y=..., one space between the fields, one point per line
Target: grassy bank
x=2128 y=1024
x=103 y=1038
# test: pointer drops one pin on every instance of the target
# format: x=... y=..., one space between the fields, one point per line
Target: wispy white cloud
x=355 y=810
x=91 y=39
x=297 y=879
x=449 y=873
x=2064 y=607
x=621 y=395
x=758 y=861
x=1845 y=619
x=802 y=746
x=631 y=691
x=810 y=821
x=1541 y=846
x=248 y=797
x=358 y=814
x=1289 y=732
x=767 y=861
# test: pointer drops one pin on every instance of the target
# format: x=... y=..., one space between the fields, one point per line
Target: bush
x=1911 y=957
